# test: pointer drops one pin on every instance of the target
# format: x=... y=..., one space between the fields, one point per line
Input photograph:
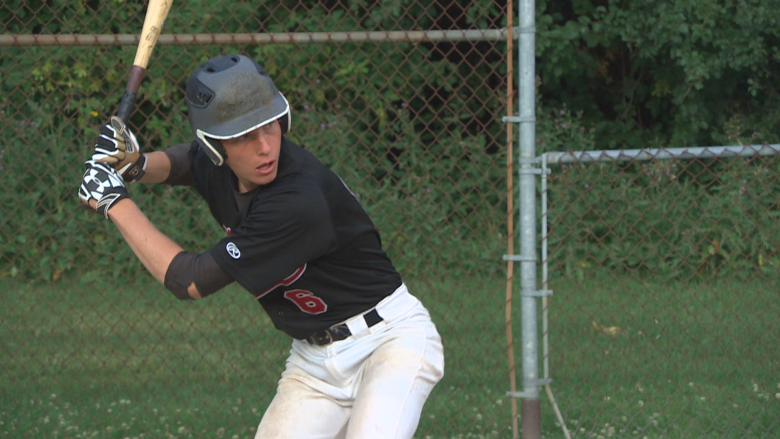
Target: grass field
x=698 y=360
x=79 y=361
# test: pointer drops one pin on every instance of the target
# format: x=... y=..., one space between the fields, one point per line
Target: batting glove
x=117 y=146
x=102 y=184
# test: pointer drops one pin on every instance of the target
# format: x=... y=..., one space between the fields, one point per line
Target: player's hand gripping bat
x=117 y=146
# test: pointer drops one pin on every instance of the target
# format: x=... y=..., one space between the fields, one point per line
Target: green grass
x=685 y=361
x=688 y=360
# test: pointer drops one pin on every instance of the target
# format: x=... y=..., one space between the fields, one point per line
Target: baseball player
x=365 y=354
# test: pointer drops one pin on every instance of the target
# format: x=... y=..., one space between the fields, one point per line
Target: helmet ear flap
x=213 y=149
x=216 y=152
x=286 y=122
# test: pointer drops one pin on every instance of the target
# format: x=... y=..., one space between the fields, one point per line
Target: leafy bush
x=662 y=73
x=413 y=128
x=425 y=170
x=672 y=219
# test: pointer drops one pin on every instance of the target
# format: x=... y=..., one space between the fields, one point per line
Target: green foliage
x=412 y=128
x=651 y=74
x=672 y=220
x=403 y=124
x=662 y=72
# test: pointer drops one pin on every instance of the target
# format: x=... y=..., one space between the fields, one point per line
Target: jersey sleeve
x=282 y=231
x=181 y=169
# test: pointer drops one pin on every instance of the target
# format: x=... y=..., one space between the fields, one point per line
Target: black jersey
x=302 y=244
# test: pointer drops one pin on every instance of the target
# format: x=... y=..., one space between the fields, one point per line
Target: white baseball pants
x=371 y=385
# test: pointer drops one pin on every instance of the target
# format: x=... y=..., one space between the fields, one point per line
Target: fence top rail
x=698 y=152
x=414 y=36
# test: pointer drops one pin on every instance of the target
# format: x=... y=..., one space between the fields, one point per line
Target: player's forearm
x=158 y=167
x=153 y=249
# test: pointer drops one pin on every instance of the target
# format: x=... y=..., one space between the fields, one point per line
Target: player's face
x=254 y=157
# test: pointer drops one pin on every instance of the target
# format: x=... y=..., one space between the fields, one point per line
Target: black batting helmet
x=231 y=95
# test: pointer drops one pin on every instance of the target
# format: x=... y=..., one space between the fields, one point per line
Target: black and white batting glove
x=102 y=184
x=117 y=146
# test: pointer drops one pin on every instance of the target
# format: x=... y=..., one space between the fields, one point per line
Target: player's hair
x=229 y=96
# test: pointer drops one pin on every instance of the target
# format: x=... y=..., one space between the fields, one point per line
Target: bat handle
x=127 y=103
x=126 y=106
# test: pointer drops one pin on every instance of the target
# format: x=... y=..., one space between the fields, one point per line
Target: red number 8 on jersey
x=306 y=301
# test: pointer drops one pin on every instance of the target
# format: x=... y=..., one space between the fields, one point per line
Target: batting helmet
x=229 y=96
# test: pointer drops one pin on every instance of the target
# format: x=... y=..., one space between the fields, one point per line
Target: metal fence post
x=531 y=406
x=527 y=170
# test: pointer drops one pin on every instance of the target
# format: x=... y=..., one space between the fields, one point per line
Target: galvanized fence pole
x=531 y=406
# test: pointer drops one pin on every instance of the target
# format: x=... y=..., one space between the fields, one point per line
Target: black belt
x=341 y=331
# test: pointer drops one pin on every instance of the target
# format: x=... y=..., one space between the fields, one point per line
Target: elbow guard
x=175 y=277
x=199 y=269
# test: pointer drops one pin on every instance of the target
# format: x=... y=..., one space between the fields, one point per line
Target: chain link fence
x=664 y=321
x=665 y=317
x=401 y=99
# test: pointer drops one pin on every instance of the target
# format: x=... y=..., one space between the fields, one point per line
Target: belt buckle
x=321 y=338
x=326 y=339
x=341 y=331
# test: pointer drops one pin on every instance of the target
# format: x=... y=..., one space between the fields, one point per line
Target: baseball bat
x=156 y=11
